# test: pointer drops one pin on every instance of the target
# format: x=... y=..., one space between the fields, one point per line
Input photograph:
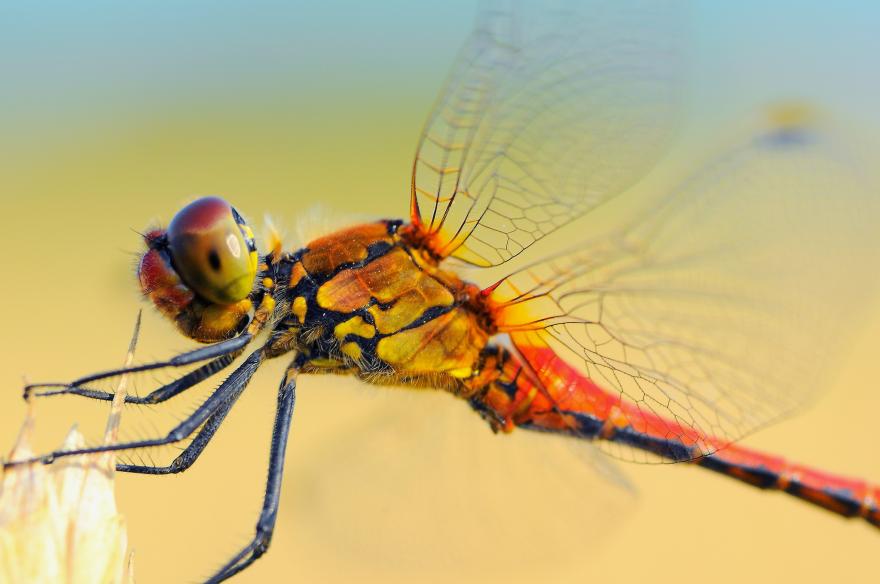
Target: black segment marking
x=590 y=427
x=759 y=476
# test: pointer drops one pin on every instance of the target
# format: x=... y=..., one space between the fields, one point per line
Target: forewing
x=546 y=115
x=722 y=308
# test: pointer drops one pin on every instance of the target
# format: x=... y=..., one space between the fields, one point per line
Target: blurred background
x=115 y=114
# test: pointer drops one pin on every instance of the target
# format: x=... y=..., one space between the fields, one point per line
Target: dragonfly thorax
x=363 y=299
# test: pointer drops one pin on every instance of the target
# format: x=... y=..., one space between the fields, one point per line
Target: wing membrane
x=544 y=117
x=724 y=307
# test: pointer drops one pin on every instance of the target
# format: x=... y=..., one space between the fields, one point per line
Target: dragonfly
x=707 y=313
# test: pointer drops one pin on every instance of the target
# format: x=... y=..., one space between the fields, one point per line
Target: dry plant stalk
x=59 y=522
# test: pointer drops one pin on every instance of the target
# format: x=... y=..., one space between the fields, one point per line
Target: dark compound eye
x=210 y=253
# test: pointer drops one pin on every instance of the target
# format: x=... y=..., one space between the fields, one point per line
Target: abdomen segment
x=519 y=396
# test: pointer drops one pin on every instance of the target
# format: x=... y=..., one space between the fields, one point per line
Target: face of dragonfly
x=200 y=272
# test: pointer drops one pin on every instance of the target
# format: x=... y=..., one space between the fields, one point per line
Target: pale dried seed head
x=59 y=522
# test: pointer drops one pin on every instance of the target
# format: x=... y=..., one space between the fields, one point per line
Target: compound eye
x=213 y=251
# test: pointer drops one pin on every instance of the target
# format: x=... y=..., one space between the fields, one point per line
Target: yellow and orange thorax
x=366 y=301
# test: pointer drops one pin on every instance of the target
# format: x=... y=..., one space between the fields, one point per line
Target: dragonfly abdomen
x=841 y=495
x=516 y=396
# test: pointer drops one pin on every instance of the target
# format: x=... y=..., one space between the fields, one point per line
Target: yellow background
x=380 y=485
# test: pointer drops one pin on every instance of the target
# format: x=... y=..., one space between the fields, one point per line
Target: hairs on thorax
x=318 y=220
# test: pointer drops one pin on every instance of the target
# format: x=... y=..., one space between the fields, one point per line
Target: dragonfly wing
x=424 y=466
x=544 y=117
x=720 y=309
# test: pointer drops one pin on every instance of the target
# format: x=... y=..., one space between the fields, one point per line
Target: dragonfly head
x=201 y=271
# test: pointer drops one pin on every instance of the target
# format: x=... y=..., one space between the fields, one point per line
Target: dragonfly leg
x=222 y=354
x=266 y=523
x=156 y=396
x=233 y=384
x=186 y=458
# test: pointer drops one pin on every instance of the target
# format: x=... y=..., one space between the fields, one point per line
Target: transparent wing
x=545 y=116
x=437 y=479
x=724 y=307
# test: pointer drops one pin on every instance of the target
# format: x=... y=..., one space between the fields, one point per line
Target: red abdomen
x=537 y=390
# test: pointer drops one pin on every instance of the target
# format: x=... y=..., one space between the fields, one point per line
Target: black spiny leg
x=186 y=458
x=266 y=524
x=232 y=386
x=221 y=355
